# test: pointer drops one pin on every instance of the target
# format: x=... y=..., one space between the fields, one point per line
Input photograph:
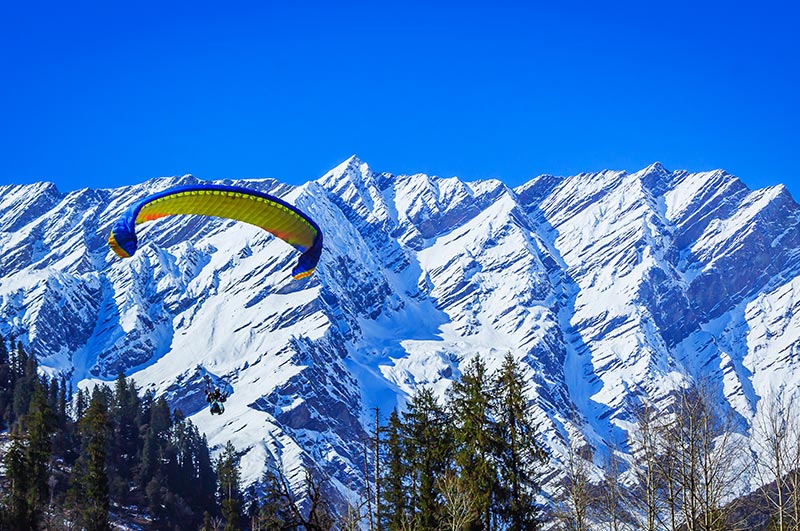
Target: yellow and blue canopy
x=222 y=201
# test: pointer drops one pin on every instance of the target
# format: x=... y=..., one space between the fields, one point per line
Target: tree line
x=470 y=462
x=475 y=465
x=81 y=459
x=72 y=459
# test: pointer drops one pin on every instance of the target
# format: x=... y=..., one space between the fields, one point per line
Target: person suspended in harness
x=216 y=398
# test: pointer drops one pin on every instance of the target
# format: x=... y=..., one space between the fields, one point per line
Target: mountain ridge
x=610 y=287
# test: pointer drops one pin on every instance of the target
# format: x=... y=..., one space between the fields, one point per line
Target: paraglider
x=235 y=202
x=215 y=397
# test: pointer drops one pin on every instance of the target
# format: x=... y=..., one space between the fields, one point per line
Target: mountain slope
x=609 y=287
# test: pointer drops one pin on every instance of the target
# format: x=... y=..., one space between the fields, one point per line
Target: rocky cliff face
x=610 y=287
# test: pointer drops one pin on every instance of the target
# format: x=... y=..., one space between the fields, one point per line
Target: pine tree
x=160 y=418
x=474 y=433
x=27 y=379
x=154 y=440
x=51 y=385
x=517 y=451
x=18 y=512
x=62 y=441
x=178 y=480
x=183 y=475
x=81 y=402
x=206 y=484
x=148 y=459
x=6 y=385
x=394 y=491
x=90 y=490
x=19 y=360
x=428 y=447
x=39 y=424
x=230 y=488
x=125 y=438
x=148 y=399
x=63 y=396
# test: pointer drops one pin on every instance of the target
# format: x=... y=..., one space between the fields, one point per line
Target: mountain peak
x=656 y=167
x=350 y=163
x=655 y=178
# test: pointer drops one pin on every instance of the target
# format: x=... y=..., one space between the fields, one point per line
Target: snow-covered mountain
x=609 y=287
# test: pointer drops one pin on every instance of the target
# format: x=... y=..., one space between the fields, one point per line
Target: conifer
x=18 y=513
x=517 y=452
x=230 y=487
x=475 y=431
x=39 y=424
x=394 y=491
x=81 y=402
x=123 y=414
x=6 y=386
x=26 y=380
x=90 y=488
x=428 y=450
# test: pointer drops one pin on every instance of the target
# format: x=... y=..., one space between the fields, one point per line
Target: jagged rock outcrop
x=610 y=287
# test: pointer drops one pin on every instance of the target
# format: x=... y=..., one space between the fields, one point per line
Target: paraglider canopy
x=235 y=202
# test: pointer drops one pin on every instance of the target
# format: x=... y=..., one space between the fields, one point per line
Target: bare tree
x=353 y=516
x=689 y=464
x=709 y=459
x=461 y=507
x=313 y=514
x=774 y=443
x=576 y=499
x=408 y=522
x=646 y=450
x=668 y=477
x=794 y=475
x=612 y=499
x=213 y=523
x=368 y=493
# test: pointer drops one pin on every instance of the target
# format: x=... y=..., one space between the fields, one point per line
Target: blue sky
x=113 y=93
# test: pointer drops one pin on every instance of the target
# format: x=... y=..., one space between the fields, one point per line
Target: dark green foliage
x=6 y=385
x=90 y=491
x=230 y=494
x=83 y=458
x=81 y=401
x=518 y=454
x=160 y=418
x=476 y=438
x=394 y=491
x=123 y=413
x=38 y=424
x=485 y=437
x=26 y=381
x=428 y=452
x=275 y=508
x=28 y=458
x=89 y=451
x=18 y=511
x=189 y=471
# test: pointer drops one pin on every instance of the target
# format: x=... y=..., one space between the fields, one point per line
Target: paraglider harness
x=215 y=398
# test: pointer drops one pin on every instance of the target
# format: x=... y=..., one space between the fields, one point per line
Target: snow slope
x=610 y=287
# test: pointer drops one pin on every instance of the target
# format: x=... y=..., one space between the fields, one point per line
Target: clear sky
x=113 y=93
